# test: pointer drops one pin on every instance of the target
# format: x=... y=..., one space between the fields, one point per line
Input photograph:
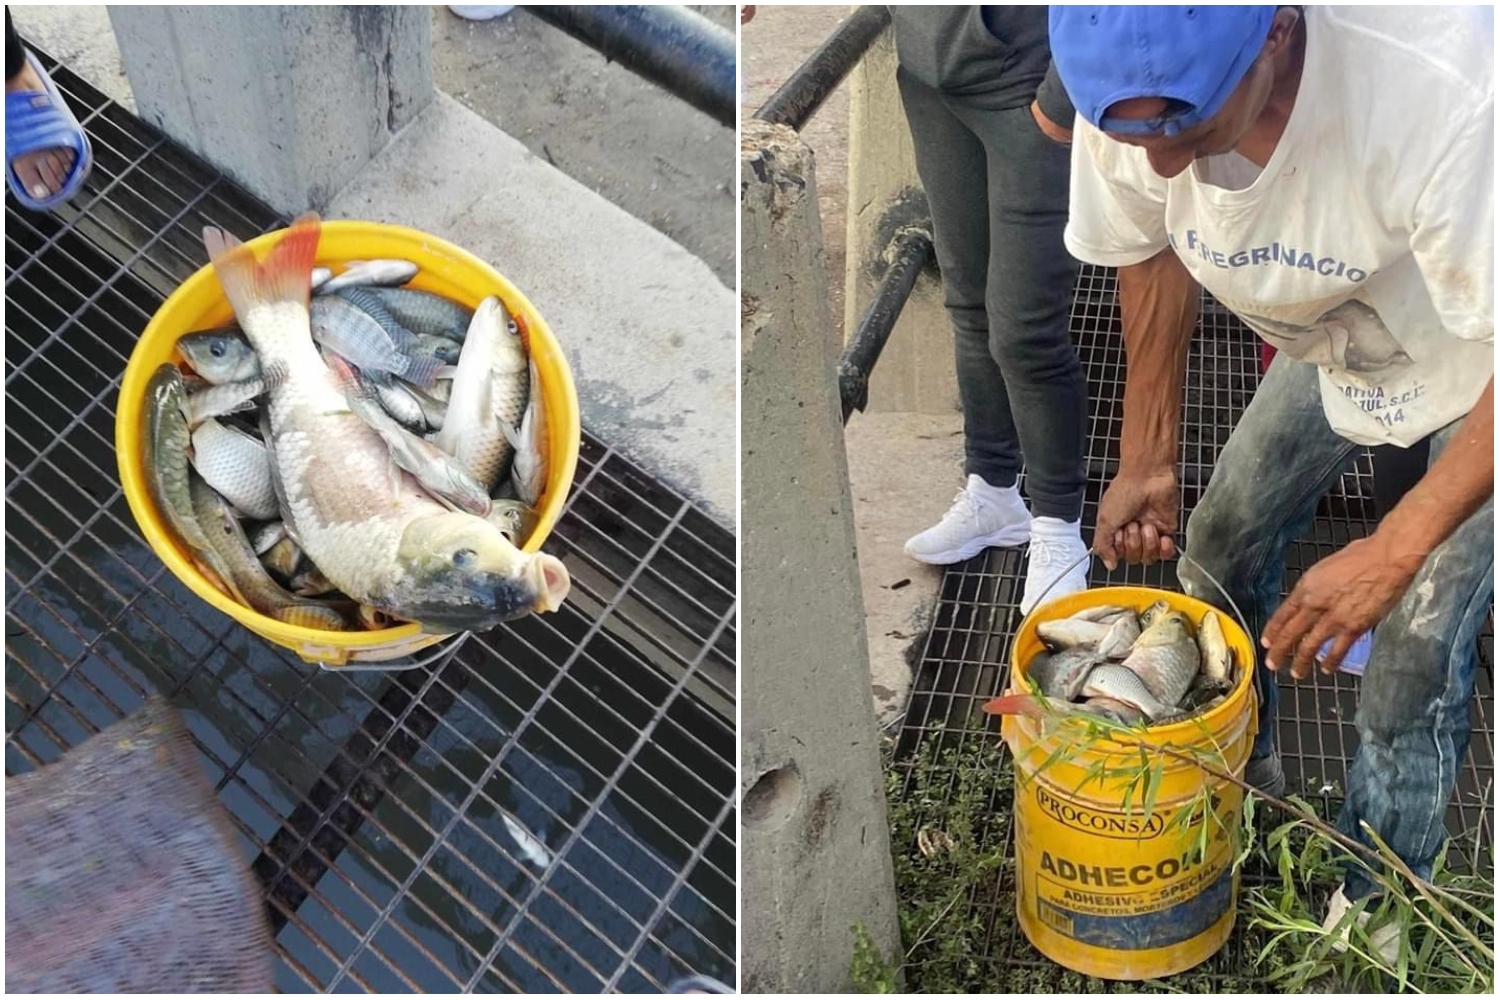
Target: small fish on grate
x=533 y=849
x=364 y=512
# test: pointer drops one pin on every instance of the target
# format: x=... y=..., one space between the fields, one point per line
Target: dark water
x=606 y=729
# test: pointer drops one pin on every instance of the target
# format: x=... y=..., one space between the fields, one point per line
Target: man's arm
x=1342 y=597
x=1052 y=109
x=1158 y=310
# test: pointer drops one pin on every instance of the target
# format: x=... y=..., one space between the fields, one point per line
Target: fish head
x=1154 y=612
x=458 y=570
x=1168 y=629
x=220 y=356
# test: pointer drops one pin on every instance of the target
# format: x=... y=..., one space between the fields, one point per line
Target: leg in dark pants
x=15 y=52
x=998 y=192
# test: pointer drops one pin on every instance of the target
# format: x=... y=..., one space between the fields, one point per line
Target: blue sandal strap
x=37 y=120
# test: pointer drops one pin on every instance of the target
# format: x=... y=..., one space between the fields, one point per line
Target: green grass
x=951 y=813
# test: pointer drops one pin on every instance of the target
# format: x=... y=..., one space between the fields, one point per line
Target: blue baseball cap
x=1194 y=56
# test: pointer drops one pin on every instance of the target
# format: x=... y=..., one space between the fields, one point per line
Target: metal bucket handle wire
x=440 y=649
x=1181 y=554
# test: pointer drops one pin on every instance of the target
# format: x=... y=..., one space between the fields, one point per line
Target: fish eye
x=465 y=558
x=513 y=327
x=218 y=348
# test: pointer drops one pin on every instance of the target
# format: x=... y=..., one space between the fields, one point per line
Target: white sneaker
x=1056 y=545
x=1385 y=940
x=982 y=516
x=482 y=13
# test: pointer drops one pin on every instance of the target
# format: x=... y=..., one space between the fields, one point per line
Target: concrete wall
x=915 y=373
x=290 y=101
x=816 y=844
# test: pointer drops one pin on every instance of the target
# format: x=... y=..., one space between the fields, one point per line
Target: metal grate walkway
x=370 y=804
x=963 y=661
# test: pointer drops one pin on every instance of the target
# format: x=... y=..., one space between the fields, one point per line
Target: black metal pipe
x=908 y=253
x=806 y=90
x=682 y=52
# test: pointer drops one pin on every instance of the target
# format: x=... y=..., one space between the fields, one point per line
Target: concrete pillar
x=816 y=843
x=915 y=373
x=290 y=101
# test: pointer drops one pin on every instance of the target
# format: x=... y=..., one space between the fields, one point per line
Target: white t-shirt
x=1366 y=245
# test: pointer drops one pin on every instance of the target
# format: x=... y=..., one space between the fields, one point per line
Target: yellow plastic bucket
x=445 y=270
x=1109 y=891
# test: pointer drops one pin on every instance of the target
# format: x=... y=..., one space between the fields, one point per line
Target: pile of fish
x=350 y=452
x=1151 y=669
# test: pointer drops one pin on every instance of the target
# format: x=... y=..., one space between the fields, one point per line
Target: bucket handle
x=1181 y=554
x=440 y=649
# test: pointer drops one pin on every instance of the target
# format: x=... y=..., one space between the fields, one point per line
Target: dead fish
x=1202 y=692
x=1115 y=711
x=1068 y=633
x=1218 y=660
x=515 y=519
x=371 y=272
x=356 y=336
x=321 y=276
x=442 y=348
x=223 y=399
x=528 y=470
x=267 y=535
x=309 y=581
x=166 y=440
x=534 y=850
x=282 y=559
x=490 y=393
x=220 y=355
x=1165 y=657
x=236 y=466
x=1060 y=676
x=1105 y=613
x=1154 y=612
x=373 y=618
x=423 y=312
x=1121 y=636
x=1115 y=681
x=261 y=593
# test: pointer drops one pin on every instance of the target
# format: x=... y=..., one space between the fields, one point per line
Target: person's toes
x=48 y=171
x=62 y=162
x=28 y=173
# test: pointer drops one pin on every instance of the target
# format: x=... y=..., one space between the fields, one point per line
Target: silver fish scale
x=237 y=467
x=1167 y=670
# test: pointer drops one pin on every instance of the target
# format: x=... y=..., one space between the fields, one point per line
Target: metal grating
x=370 y=804
x=965 y=653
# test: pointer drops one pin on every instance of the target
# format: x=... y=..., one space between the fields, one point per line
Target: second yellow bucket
x=445 y=270
x=1111 y=891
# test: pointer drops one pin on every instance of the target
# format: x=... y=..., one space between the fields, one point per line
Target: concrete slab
x=618 y=135
x=82 y=37
x=649 y=330
x=903 y=471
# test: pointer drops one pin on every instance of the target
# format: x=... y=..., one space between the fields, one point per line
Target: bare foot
x=43 y=171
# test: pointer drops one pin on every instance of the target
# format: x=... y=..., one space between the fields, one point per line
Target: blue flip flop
x=35 y=121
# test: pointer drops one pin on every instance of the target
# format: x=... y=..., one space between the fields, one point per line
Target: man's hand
x=1050 y=128
x=1138 y=519
x=1340 y=598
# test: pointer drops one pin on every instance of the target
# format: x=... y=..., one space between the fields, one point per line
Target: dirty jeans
x=1413 y=716
x=997 y=188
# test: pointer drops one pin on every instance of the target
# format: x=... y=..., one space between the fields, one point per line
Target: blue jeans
x=1413 y=717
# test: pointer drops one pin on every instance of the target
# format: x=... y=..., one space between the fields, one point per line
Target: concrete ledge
x=648 y=328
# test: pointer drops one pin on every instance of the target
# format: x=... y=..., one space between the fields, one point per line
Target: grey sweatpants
x=998 y=191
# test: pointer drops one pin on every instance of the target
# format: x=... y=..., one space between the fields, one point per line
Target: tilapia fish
x=1165 y=657
x=423 y=312
x=220 y=355
x=1121 y=636
x=354 y=334
x=377 y=537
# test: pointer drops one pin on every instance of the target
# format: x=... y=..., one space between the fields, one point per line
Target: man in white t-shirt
x=1329 y=177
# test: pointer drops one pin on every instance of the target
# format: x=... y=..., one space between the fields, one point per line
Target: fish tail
x=1013 y=704
x=422 y=369
x=282 y=277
